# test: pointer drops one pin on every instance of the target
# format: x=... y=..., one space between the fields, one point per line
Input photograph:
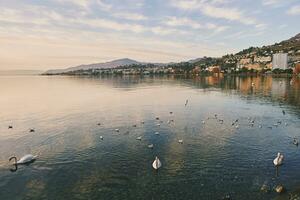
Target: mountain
x=105 y=65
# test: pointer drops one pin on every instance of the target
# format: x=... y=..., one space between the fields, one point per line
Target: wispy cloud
x=130 y=16
x=215 y=9
x=294 y=10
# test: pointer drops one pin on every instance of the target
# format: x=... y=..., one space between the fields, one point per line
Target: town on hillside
x=280 y=58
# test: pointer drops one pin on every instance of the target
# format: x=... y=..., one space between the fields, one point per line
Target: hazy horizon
x=57 y=34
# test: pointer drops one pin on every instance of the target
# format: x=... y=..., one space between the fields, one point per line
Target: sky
x=51 y=34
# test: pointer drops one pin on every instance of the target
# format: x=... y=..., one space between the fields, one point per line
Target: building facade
x=280 y=61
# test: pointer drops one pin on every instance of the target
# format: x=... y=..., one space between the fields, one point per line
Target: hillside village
x=280 y=58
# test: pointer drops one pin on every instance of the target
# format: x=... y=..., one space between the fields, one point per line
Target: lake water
x=214 y=160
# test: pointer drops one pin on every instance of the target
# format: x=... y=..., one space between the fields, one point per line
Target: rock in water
x=226 y=197
x=279 y=189
x=265 y=188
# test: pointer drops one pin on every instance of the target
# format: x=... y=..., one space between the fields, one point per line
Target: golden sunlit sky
x=63 y=33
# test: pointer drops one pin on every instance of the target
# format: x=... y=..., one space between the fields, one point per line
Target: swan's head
x=278 y=154
x=156 y=158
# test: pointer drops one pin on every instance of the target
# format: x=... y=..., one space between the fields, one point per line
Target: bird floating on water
x=117 y=130
x=283 y=112
x=180 y=141
x=101 y=137
x=24 y=160
x=134 y=125
x=156 y=133
x=295 y=141
x=157 y=124
x=10 y=127
x=156 y=163
x=99 y=124
x=171 y=112
x=31 y=130
x=157 y=118
x=150 y=146
x=142 y=122
x=260 y=126
x=139 y=138
x=186 y=102
x=278 y=160
x=203 y=122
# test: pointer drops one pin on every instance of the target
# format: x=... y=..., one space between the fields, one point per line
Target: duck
x=101 y=137
x=237 y=126
x=156 y=163
x=134 y=125
x=186 y=102
x=156 y=133
x=24 y=160
x=278 y=160
x=99 y=124
x=117 y=130
x=180 y=141
x=157 y=124
x=171 y=113
x=295 y=142
x=142 y=122
x=10 y=127
x=283 y=112
x=150 y=146
x=203 y=122
x=157 y=118
x=31 y=130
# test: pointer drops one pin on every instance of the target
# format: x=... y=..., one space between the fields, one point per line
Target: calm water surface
x=214 y=160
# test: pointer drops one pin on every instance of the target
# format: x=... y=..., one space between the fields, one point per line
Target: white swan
x=156 y=163
x=139 y=138
x=24 y=160
x=278 y=160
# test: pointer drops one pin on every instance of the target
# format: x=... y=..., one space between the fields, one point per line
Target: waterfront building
x=280 y=61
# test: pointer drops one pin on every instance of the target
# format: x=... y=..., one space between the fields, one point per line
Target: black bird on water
x=186 y=102
x=10 y=127
x=283 y=112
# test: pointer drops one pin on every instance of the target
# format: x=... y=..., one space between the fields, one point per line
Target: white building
x=262 y=59
x=280 y=61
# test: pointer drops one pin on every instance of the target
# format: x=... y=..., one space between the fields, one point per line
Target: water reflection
x=215 y=158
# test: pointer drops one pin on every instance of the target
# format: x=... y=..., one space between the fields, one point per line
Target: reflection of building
x=280 y=61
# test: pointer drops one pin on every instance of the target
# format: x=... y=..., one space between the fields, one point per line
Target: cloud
x=271 y=2
x=187 y=22
x=215 y=9
x=130 y=16
x=295 y=10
